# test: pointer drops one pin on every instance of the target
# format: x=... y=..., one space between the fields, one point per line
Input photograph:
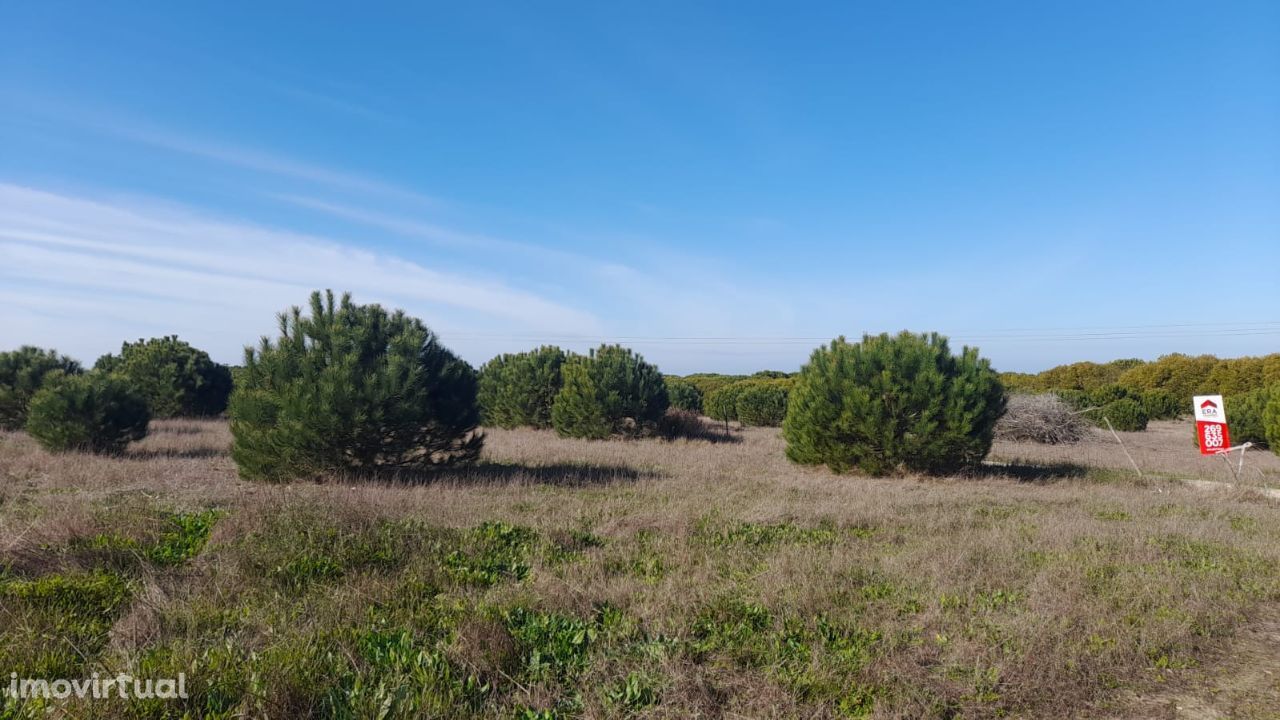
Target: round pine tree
x=762 y=403
x=892 y=403
x=177 y=379
x=94 y=412
x=518 y=389
x=351 y=388
x=22 y=373
x=683 y=394
x=612 y=391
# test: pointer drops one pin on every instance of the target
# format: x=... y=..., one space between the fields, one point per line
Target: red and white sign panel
x=1211 y=424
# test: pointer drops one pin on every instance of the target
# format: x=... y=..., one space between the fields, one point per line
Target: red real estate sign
x=1211 y=424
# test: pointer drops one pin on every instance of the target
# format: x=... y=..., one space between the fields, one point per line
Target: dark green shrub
x=1161 y=405
x=611 y=391
x=22 y=373
x=762 y=404
x=683 y=394
x=1271 y=420
x=518 y=389
x=95 y=412
x=1245 y=413
x=708 y=383
x=1077 y=400
x=352 y=388
x=176 y=379
x=1107 y=394
x=1125 y=414
x=888 y=403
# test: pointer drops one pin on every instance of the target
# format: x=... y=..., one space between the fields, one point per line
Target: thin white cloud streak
x=156 y=263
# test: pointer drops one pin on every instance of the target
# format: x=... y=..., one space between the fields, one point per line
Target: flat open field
x=679 y=579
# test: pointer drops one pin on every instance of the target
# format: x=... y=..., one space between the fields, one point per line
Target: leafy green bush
x=1125 y=414
x=684 y=395
x=887 y=403
x=1161 y=405
x=1245 y=412
x=518 y=389
x=611 y=391
x=22 y=373
x=1271 y=420
x=708 y=383
x=176 y=379
x=1179 y=375
x=762 y=403
x=352 y=388
x=95 y=412
x=722 y=403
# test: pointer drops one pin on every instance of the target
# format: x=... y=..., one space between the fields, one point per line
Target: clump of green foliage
x=352 y=388
x=22 y=373
x=1271 y=420
x=683 y=394
x=94 y=412
x=176 y=379
x=611 y=391
x=518 y=389
x=889 y=403
x=1246 y=412
x=1125 y=414
x=762 y=403
x=722 y=403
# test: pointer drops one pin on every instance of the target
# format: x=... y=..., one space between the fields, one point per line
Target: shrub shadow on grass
x=498 y=473
x=1028 y=472
x=156 y=454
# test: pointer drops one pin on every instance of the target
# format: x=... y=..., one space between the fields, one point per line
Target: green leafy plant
x=352 y=388
x=684 y=395
x=612 y=391
x=94 y=412
x=519 y=389
x=1125 y=414
x=762 y=403
x=175 y=378
x=1271 y=420
x=893 y=402
x=22 y=373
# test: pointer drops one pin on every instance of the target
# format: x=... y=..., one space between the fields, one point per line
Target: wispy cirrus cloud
x=79 y=270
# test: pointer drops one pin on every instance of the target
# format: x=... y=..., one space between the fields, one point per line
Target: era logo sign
x=1211 y=424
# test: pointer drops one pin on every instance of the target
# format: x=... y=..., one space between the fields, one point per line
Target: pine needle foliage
x=22 y=373
x=351 y=388
x=177 y=379
x=94 y=412
x=611 y=391
x=518 y=389
x=893 y=403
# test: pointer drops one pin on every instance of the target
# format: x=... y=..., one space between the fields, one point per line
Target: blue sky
x=717 y=185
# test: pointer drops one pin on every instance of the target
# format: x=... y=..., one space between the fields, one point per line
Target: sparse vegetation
x=728 y=582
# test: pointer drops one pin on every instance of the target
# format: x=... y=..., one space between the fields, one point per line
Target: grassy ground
x=650 y=579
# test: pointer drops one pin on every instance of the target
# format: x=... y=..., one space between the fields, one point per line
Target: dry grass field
x=650 y=579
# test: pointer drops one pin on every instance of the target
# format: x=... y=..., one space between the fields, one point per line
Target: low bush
x=1271 y=420
x=612 y=391
x=95 y=412
x=762 y=404
x=176 y=379
x=1125 y=414
x=352 y=388
x=891 y=403
x=683 y=394
x=722 y=403
x=519 y=389
x=1245 y=413
x=1042 y=418
x=22 y=373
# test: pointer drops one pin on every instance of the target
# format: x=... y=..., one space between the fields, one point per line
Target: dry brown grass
x=1059 y=586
